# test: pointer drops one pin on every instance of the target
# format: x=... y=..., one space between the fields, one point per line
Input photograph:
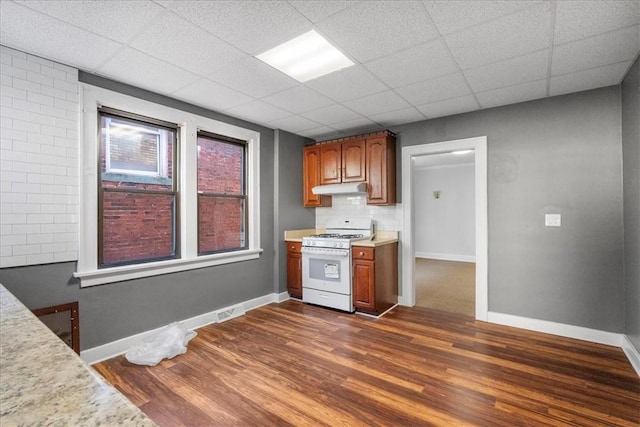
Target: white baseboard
x=632 y=354
x=446 y=257
x=569 y=331
x=281 y=297
x=116 y=348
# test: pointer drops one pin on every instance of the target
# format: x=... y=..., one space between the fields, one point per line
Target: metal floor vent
x=228 y=313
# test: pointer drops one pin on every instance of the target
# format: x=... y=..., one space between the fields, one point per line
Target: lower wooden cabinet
x=294 y=269
x=375 y=278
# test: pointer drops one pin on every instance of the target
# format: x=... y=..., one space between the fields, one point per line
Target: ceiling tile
x=512 y=71
x=119 y=20
x=298 y=99
x=377 y=104
x=174 y=37
x=608 y=75
x=322 y=133
x=348 y=83
x=331 y=114
x=252 y=77
x=398 y=117
x=513 y=94
x=139 y=69
x=451 y=86
x=258 y=112
x=252 y=26
x=361 y=125
x=295 y=124
x=49 y=38
x=315 y=10
x=208 y=94
x=447 y=107
x=512 y=35
x=423 y=62
x=371 y=30
x=581 y=19
x=450 y=16
x=609 y=48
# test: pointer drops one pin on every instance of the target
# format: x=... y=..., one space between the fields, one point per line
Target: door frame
x=479 y=145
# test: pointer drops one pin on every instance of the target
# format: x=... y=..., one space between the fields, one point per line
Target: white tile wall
x=387 y=218
x=39 y=175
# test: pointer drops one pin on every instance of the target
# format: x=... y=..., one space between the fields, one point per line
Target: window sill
x=128 y=272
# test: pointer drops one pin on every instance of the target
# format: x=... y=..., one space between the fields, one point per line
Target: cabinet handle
x=361 y=253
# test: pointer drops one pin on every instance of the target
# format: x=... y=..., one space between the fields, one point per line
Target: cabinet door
x=330 y=163
x=294 y=274
x=381 y=171
x=311 y=177
x=364 y=285
x=353 y=161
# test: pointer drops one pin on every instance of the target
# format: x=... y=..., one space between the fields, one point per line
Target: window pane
x=220 y=167
x=221 y=224
x=135 y=153
x=137 y=227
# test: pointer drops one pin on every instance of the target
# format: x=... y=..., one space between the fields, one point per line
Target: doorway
x=409 y=157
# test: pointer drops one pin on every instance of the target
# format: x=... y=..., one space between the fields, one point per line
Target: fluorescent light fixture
x=306 y=57
x=462 y=152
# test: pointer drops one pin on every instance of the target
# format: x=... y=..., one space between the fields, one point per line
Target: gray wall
x=113 y=311
x=290 y=213
x=555 y=155
x=631 y=179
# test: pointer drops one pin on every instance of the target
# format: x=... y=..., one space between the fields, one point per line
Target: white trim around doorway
x=479 y=145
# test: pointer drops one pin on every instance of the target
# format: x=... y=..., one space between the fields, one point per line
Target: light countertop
x=381 y=237
x=44 y=382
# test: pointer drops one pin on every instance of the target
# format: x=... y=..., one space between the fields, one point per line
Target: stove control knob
x=335 y=244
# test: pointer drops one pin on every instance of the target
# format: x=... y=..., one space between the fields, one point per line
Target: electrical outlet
x=553 y=220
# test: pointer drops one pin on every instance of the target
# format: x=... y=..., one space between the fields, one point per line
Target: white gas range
x=326 y=263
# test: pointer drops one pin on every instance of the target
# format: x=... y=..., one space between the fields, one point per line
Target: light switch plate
x=553 y=220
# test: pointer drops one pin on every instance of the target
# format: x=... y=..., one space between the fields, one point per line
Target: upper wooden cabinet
x=369 y=158
x=311 y=177
x=342 y=162
x=353 y=161
x=381 y=170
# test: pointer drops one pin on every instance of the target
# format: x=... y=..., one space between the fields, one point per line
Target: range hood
x=346 y=188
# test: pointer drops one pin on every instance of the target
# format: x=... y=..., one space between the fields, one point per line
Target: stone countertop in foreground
x=44 y=382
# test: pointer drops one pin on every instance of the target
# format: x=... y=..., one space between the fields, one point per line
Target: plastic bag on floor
x=167 y=343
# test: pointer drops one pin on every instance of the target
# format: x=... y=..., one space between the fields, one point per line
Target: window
x=163 y=190
x=221 y=194
x=137 y=200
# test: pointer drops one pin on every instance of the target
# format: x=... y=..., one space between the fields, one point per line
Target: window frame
x=92 y=98
x=243 y=196
x=162 y=143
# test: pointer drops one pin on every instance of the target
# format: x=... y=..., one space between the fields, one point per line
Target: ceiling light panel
x=306 y=57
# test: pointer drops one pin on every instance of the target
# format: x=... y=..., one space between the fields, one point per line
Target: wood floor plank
x=297 y=364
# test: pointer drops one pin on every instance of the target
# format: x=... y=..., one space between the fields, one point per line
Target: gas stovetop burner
x=351 y=236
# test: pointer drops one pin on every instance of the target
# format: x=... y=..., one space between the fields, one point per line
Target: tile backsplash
x=387 y=218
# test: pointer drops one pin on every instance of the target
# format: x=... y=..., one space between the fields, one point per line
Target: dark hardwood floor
x=296 y=364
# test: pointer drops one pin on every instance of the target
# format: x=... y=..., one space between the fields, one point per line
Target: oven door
x=327 y=269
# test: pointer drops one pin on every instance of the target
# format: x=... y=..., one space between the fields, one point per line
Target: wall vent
x=229 y=313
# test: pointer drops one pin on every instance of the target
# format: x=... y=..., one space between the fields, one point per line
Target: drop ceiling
x=415 y=60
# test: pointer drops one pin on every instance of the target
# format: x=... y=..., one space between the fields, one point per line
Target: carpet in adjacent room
x=446 y=285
